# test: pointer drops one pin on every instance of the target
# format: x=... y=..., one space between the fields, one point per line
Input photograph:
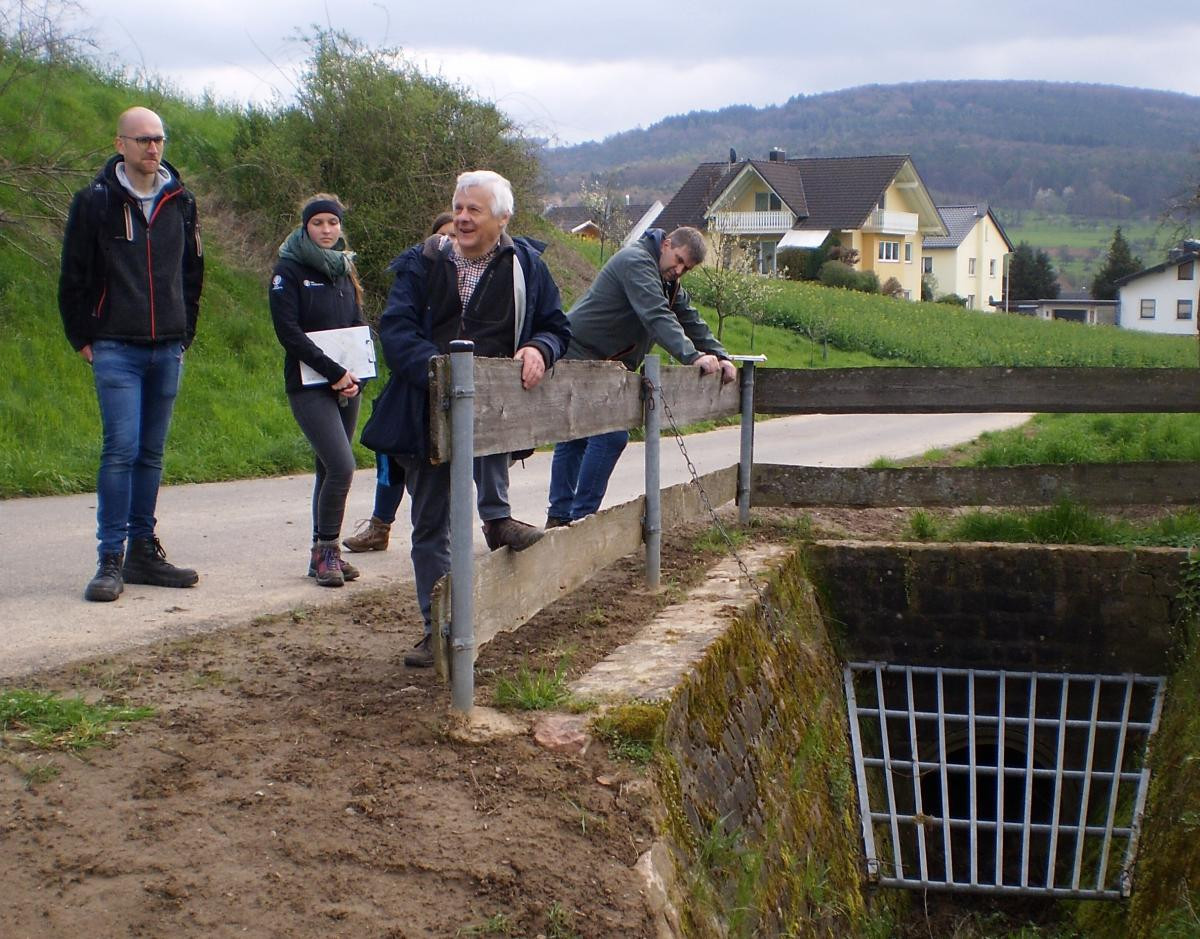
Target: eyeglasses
x=160 y=139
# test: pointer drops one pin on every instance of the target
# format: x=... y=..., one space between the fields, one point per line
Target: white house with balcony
x=876 y=205
x=970 y=260
x=1163 y=298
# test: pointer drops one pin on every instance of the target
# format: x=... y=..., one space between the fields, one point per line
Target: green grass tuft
x=52 y=723
x=533 y=691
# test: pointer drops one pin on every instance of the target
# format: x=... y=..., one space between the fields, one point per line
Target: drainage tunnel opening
x=1007 y=782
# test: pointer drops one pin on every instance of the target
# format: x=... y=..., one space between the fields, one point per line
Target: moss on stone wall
x=757 y=780
x=1165 y=903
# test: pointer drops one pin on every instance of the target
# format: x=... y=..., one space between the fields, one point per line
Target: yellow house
x=876 y=205
x=970 y=259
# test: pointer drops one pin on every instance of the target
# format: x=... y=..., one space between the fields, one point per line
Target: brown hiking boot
x=372 y=535
x=421 y=655
x=508 y=531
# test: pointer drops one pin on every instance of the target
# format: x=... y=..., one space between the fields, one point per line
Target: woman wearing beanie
x=315 y=287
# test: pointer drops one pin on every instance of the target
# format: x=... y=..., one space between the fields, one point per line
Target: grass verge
x=50 y=722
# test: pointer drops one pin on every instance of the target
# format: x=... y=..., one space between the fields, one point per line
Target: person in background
x=129 y=295
x=634 y=302
x=373 y=533
x=315 y=287
x=446 y=289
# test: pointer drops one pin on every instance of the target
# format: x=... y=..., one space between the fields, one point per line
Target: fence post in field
x=652 y=523
x=746 y=461
x=462 y=524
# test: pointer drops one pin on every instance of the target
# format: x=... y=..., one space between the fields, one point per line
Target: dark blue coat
x=399 y=423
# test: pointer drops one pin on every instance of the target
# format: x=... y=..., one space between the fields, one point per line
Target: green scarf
x=333 y=262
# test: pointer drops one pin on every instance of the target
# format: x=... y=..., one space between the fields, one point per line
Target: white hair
x=499 y=188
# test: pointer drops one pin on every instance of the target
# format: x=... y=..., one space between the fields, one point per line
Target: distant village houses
x=1163 y=298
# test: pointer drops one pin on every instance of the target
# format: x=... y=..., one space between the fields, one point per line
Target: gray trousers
x=429 y=499
x=329 y=427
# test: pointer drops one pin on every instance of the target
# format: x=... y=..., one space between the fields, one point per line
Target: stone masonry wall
x=1051 y=608
x=758 y=784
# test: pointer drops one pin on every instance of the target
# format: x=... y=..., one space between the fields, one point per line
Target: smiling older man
x=461 y=288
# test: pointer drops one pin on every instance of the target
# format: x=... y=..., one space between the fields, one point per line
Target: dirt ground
x=297 y=780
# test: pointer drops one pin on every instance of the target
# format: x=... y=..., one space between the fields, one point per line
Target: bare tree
x=36 y=182
x=607 y=210
x=731 y=284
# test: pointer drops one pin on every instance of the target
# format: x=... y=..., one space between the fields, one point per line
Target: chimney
x=776 y=155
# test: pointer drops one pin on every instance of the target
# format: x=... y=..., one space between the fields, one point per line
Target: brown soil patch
x=299 y=781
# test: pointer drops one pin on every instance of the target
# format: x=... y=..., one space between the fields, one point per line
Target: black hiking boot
x=146 y=563
x=107 y=584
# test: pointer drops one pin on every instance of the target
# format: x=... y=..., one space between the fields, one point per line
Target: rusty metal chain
x=767 y=607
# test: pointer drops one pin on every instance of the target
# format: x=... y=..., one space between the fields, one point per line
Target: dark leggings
x=329 y=428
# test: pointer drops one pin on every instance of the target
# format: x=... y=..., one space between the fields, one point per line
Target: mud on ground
x=297 y=780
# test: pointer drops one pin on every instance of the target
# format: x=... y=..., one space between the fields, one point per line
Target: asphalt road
x=249 y=539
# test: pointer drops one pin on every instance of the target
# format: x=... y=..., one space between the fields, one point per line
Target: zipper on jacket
x=150 y=255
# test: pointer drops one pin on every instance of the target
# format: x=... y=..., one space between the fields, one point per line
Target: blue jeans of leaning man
x=136 y=386
x=579 y=474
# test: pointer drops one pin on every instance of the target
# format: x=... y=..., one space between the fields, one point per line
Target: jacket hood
x=439 y=246
x=652 y=241
x=108 y=173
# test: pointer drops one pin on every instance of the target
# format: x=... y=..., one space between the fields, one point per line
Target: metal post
x=462 y=524
x=652 y=523
x=746 y=464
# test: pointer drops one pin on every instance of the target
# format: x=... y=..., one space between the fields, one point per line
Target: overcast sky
x=575 y=72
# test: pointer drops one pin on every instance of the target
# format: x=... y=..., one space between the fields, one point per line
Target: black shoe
x=555 y=522
x=107 y=584
x=421 y=655
x=146 y=563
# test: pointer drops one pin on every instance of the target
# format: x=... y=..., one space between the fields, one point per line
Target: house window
x=1183 y=310
x=767 y=202
x=970 y=267
x=766 y=257
x=970 y=301
x=908 y=251
x=927 y=265
x=1147 y=309
x=1187 y=271
x=889 y=251
x=992 y=268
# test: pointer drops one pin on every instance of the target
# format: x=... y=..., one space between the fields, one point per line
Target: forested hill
x=1087 y=149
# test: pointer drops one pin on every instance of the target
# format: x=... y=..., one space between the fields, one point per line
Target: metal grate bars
x=991 y=781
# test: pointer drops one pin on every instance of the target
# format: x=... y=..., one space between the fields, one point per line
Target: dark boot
x=326 y=564
x=508 y=531
x=555 y=522
x=421 y=655
x=349 y=571
x=372 y=536
x=107 y=584
x=146 y=563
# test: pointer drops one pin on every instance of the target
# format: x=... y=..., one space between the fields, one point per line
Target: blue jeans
x=580 y=471
x=136 y=386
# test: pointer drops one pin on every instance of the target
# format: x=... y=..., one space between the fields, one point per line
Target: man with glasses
x=635 y=302
x=129 y=294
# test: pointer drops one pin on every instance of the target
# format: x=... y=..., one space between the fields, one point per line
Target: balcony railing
x=752 y=223
x=897 y=223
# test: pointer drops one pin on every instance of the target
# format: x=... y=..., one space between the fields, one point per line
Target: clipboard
x=351 y=347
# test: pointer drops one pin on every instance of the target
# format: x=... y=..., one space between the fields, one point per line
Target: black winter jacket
x=303 y=300
x=127 y=278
